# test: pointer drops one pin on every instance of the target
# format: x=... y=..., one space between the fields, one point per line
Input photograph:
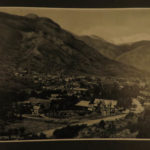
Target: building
x=34 y=105
x=36 y=109
x=107 y=103
x=54 y=95
x=104 y=107
x=79 y=90
x=85 y=105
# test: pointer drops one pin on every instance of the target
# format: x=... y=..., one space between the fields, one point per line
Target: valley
x=57 y=85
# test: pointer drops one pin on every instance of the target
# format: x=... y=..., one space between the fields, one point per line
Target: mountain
x=135 y=54
x=138 y=56
x=38 y=44
x=107 y=49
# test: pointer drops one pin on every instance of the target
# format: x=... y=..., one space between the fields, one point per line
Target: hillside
x=138 y=56
x=129 y=54
x=107 y=49
x=38 y=44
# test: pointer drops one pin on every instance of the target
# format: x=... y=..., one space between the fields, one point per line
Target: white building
x=36 y=109
x=105 y=107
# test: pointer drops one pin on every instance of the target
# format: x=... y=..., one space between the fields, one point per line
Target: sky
x=116 y=25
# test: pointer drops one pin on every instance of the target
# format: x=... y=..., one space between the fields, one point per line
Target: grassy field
x=38 y=124
x=34 y=126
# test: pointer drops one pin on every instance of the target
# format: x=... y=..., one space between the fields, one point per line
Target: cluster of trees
x=7 y=100
x=143 y=125
x=101 y=130
x=20 y=133
x=68 y=132
x=66 y=103
x=124 y=95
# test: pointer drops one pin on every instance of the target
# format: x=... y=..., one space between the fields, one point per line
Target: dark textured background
x=78 y=145
x=77 y=3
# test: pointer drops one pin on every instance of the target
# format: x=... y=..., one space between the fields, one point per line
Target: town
x=60 y=96
x=59 y=100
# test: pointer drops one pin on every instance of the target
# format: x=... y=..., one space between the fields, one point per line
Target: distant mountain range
x=107 y=49
x=134 y=54
x=138 y=56
x=39 y=44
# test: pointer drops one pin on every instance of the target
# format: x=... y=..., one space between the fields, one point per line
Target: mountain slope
x=138 y=56
x=105 y=48
x=39 y=44
x=135 y=54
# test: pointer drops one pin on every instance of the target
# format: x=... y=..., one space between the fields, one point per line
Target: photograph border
x=77 y=143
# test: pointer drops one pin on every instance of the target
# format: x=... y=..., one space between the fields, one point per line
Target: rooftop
x=83 y=104
x=35 y=101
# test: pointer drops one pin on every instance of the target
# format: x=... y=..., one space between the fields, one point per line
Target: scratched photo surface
x=74 y=73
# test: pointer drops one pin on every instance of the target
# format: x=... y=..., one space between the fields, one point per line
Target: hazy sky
x=115 y=25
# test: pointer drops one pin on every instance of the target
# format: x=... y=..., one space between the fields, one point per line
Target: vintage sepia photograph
x=74 y=73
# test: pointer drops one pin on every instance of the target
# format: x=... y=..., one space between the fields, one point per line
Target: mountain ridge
x=134 y=54
x=41 y=45
x=106 y=48
x=138 y=57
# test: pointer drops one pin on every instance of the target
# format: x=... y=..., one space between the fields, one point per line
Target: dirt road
x=138 y=109
x=50 y=132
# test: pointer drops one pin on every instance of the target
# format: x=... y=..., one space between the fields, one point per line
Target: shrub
x=69 y=131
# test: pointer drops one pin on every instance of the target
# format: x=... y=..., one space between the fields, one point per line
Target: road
x=138 y=109
x=50 y=132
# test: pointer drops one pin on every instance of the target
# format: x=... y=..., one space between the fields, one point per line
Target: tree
x=111 y=128
x=102 y=124
x=143 y=125
x=21 y=131
x=42 y=136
